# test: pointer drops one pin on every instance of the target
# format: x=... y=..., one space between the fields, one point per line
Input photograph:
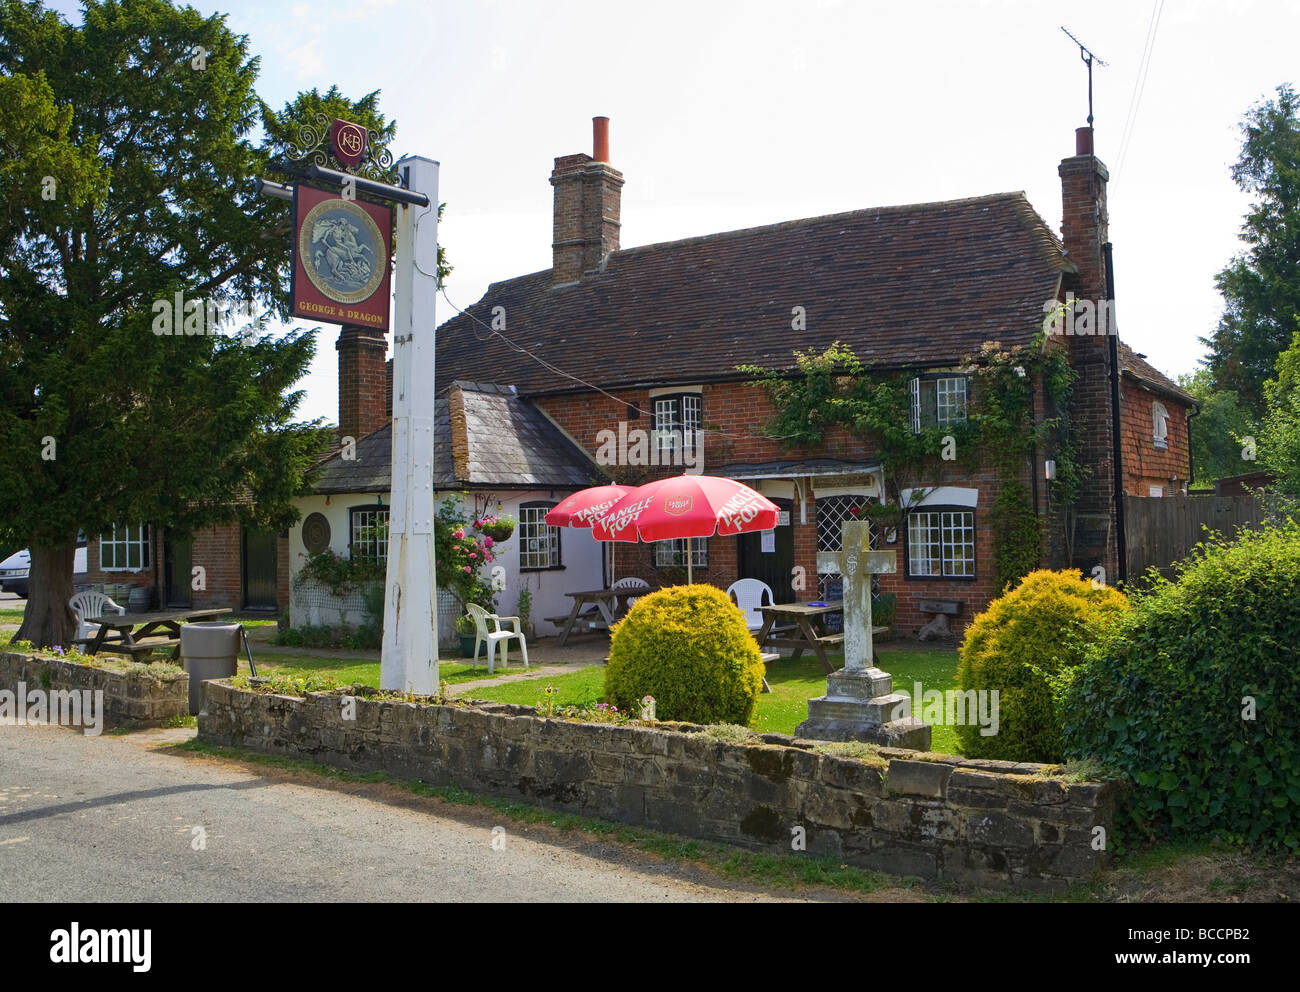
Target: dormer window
x=1160 y=425
x=937 y=400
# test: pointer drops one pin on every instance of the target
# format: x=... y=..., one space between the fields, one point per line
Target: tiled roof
x=509 y=443
x=924 y=284
x=1136 y=365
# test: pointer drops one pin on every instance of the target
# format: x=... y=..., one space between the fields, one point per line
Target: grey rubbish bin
x=208 y=651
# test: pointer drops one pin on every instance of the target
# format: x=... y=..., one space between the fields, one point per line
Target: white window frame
x=1160 y=425
x=539 y=542
x=675 y=415
x=946 y=410
x=363 y=540
x=672 y=553
x=133 y=537
x=950 y=530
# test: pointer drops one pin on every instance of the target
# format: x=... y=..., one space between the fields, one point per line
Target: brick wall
x=587 y=215
x=731 y=413
x=218 y=549
x=363 y=381
x=1084 y=231
x=1144 y=464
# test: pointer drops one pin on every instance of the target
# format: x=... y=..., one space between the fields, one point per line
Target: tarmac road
x=113 y=819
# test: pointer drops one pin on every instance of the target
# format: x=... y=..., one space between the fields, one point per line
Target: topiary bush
x=687 y=646
x=1024 y=646
x=1194 y=696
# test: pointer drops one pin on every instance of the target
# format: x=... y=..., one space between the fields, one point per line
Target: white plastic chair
x=492 y=637
x=632 y=582
x=748 y=595
x=92 y=604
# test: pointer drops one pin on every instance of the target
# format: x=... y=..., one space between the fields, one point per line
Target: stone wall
x=143 y=695
x=936 y=816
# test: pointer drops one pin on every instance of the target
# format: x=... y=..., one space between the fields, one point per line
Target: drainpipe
x=1112 y=336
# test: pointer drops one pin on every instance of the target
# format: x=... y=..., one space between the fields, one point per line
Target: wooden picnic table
x=612 y=604
x=163 y=630
x=801 y=616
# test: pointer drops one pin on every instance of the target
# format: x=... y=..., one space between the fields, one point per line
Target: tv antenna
x=1089 y=58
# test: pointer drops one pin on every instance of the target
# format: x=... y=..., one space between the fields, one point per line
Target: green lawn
x=780 y=711
x=364 y=671
x=12 y=616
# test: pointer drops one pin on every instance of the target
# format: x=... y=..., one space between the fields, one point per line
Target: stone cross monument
x=859 y=703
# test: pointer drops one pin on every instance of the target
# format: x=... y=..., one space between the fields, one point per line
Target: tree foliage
x=1219 y=431
x=143 y=116
x=1279 y=440
x=1261 y=287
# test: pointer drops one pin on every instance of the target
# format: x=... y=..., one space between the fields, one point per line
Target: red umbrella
x=584 y=508
x=686 y=506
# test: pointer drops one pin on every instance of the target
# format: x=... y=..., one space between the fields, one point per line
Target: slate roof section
x=1133 y=364
x=510 y=443
x=924 y=284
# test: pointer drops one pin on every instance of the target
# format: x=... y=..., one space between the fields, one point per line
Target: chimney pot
x=600 y=138
x=1083 y=141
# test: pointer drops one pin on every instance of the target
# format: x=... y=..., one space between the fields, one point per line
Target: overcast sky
x=733 y=114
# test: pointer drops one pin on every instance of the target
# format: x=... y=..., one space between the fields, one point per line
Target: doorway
x=770 y=561
x=178 y=559
x=259 y=569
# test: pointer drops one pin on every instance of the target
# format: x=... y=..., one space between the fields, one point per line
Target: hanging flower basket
x=498 y=528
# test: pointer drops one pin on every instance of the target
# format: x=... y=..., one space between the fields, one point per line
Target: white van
x=15 y=569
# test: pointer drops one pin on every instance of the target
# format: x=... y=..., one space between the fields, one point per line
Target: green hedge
x=1168 y=697
x=687 y=646
x=1021 y=646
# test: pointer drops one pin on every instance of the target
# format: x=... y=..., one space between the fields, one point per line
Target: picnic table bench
x=799 y=617
x=157 y=631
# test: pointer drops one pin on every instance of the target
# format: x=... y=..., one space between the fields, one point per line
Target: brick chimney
x=587 y=209
x=1085 y=232
x=363 y=385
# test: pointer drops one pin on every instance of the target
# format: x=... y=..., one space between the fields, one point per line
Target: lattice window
x=831 y=512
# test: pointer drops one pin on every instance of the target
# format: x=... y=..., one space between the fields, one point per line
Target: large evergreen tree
x=1261 y=288
x=1219 y=431
x=141 y=119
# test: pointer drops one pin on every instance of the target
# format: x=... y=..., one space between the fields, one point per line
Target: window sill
x=545 y=568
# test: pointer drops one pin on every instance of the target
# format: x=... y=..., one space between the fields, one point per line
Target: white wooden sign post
x=410 y=652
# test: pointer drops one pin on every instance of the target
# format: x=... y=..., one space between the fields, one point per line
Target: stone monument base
x=861 y=706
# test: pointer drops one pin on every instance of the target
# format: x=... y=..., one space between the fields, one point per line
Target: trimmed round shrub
x=687 y=646
x=1195 y=696
x=1025 y=646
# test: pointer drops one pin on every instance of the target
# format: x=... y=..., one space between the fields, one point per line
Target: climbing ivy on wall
x=835 y=389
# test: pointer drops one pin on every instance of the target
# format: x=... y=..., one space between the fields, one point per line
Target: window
x=539 y=544
x=1160 y=425
x=676 y=418
x=673 y=553
x=124 y=549
x=832 y=511
x=941 y=544
x=938 y=400
x=369 y=539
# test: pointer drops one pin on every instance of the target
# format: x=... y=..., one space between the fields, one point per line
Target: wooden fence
x=1162 y=531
